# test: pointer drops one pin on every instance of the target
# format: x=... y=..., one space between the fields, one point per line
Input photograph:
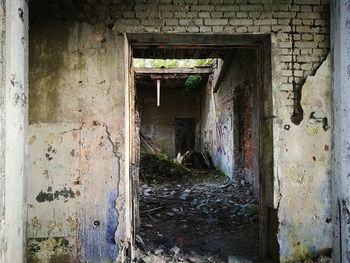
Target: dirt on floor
x=195 y=216
x=200 y=216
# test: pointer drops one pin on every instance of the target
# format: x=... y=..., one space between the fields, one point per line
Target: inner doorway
x=184 y=135
x=223 y=55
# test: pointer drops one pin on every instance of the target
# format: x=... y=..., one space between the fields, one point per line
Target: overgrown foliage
x=193 y=83
x=158 y=167
x=172 y=63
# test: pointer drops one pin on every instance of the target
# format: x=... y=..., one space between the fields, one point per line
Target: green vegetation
x=220 y=173
x=172 y=63
x=193 y=83
x=157 y=167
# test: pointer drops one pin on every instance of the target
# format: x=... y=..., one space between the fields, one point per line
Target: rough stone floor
x=202 y=217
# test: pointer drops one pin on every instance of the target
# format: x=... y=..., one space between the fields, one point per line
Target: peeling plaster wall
x=158 y=123
x=300 y=42
x=2 y=128
x=305 y=174
x=13 y=127
x=76 y=143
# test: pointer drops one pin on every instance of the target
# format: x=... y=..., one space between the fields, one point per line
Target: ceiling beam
x=153 y=71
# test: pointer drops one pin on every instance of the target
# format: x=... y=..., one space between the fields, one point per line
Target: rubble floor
x=199 y=218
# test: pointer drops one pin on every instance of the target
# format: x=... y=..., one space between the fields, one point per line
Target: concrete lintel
x=166 y=71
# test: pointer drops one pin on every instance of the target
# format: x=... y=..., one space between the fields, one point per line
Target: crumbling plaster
x=13 y=127
x=76 y=144
x=300 y=43
x=305 y=175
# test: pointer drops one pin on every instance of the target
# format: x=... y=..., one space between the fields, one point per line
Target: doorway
x=184 y=135
x=183 y=45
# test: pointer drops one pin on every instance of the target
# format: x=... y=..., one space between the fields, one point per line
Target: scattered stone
x=140 y=243
x=194 y=208
x=195 y=160
x=159 y=251
x=234 y=259
x=147 y=192
x=324 y=259
x=185 y=194
x=174 y=251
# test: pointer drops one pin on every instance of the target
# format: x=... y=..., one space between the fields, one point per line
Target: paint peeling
x=306 y=175
x=50 y=196
x=50 y=153
x=53 y=249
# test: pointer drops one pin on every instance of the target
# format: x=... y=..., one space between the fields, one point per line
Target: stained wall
x=76 y=143
x=227 y=117
x=73 y=42
x=13 y=127
x=341 y=107
x=158 y=123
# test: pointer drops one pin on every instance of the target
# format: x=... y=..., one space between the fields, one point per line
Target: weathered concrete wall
x=13 y=127
x=158 y=123
x=220 y=121
x=300 y=42
x=341 y=132
x=305 y=201
x=2 y=128
x=76 y=143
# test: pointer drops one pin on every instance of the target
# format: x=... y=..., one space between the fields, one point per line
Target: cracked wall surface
x=13 y=127
x=76 y=144
x=305 y=213
x=77 y=68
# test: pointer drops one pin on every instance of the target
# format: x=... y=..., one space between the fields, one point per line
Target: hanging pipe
x=158 y=92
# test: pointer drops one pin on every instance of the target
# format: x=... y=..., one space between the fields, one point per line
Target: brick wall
x=248 y=132
x=300 y=27
x=300 y=42
x=227 y=116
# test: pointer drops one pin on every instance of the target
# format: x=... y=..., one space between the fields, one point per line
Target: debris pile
x=156 y=168
x=193 y=214
x=195 y=160
x=200 y=217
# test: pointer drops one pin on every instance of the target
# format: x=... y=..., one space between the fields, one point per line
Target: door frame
x=268 y=245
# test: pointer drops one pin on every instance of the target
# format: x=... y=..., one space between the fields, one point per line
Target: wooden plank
x=173 y=70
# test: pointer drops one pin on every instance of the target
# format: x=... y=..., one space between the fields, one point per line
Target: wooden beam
x=153 y=71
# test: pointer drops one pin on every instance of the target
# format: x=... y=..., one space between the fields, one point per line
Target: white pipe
x=158 y=92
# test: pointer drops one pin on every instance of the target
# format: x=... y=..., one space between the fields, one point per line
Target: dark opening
x=199 y=197
x=184 y=135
